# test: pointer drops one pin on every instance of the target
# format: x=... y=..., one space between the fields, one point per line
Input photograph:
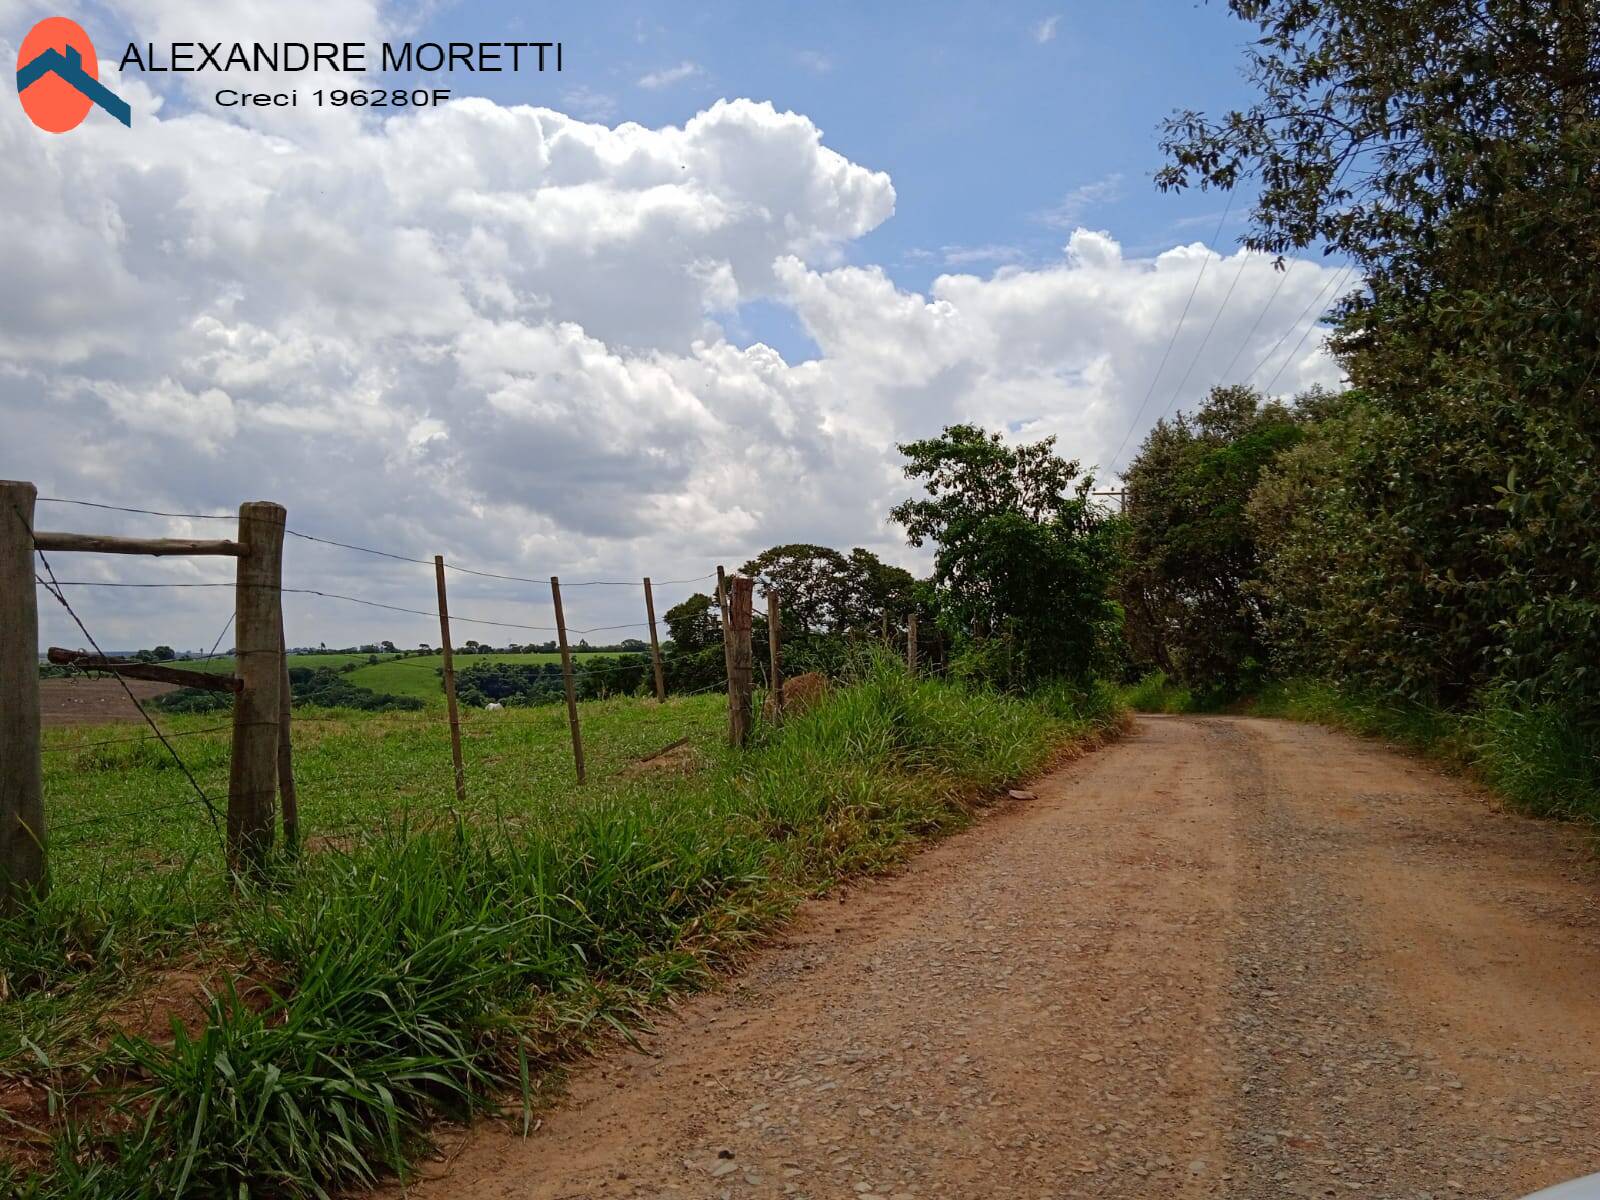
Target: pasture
x=414 y=675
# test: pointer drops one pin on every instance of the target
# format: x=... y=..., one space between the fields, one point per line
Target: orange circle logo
x=58 y=77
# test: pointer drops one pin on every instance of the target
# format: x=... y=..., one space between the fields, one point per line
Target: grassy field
x=416 y=964
x=224 y=664
x=416 y=676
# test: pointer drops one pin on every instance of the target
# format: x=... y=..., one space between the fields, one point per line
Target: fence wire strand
x=211 y=809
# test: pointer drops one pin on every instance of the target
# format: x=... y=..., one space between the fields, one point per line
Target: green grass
x=224 y=663
x=417 y=675
x=1155 y=693
x=423 y=966
x=1539 y=759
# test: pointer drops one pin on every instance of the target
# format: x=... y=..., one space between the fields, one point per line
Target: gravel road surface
x=1222 y=957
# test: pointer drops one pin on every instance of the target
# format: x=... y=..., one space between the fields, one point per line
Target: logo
x=58 y=77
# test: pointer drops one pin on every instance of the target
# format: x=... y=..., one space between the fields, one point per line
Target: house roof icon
x=68 y=66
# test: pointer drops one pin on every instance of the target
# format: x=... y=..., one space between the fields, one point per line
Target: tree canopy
x=1022 y=559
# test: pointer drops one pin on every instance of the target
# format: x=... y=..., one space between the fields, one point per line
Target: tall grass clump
x=1155 y=693
x=440 y=969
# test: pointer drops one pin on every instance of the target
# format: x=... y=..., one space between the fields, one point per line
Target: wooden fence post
x=884 y=637
x=566 y=678
x=454 y=710
x=776 y=669
x=258 y=662
x=737 y=643
x=288 y=798
x=911 y=643
x=23 y=865
x=655 y=643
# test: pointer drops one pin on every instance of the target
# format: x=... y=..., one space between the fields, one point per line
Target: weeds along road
x=1223 y=957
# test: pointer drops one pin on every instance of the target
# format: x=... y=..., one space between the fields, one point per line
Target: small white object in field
x=1587 y=1188
x=493 y=706
x=1020 y=795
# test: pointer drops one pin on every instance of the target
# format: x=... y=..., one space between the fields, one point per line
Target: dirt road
x=1224 y=957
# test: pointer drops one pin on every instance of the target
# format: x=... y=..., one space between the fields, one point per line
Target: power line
x=1282 y=277
x=1205 y=261
x=1244 y=261
x=1288 y=358
x=1334 y=280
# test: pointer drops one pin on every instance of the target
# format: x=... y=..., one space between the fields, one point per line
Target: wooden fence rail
x=259 y=766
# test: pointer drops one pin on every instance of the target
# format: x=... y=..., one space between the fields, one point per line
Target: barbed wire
x=122 y=741
x=149 y=512
x=156 y=729
x=295 y=591
x=327 y=541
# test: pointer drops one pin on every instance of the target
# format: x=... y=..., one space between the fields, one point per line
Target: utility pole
x=1120 y=493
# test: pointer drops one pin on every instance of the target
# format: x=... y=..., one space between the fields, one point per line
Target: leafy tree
x=1188 y=583
x=695 y=624
x=812 y=582
x=1451 y=149
x=875 y=589
x=1023 y=560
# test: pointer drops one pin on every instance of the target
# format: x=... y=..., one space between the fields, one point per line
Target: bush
x=317 y=687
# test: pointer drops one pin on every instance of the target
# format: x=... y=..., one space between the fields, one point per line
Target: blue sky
x=1003 y=126
x=984 y=127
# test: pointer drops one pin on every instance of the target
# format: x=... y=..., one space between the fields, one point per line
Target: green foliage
x=813 y=584
x=595 y=676
x=193 y=700
x=1155 y=693
x=824 y=596
x=316 y=687
x=694 y=624
x=1435 y=539
x=431 y=965
x=1190 y=559
x=328 y=687
x=1022 y=557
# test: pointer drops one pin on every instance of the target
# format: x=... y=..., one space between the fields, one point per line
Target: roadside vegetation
x=429 y=964
x=173 y=1031
x=1421 y=551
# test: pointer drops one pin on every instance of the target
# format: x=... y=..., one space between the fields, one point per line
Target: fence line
x=312 y=537
x=733 y=596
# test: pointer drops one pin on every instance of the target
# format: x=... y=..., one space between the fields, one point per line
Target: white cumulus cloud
x=499 y=333
x=667 y=76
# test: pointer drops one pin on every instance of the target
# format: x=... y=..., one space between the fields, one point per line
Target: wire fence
x=120 y=809
x=135 y=794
